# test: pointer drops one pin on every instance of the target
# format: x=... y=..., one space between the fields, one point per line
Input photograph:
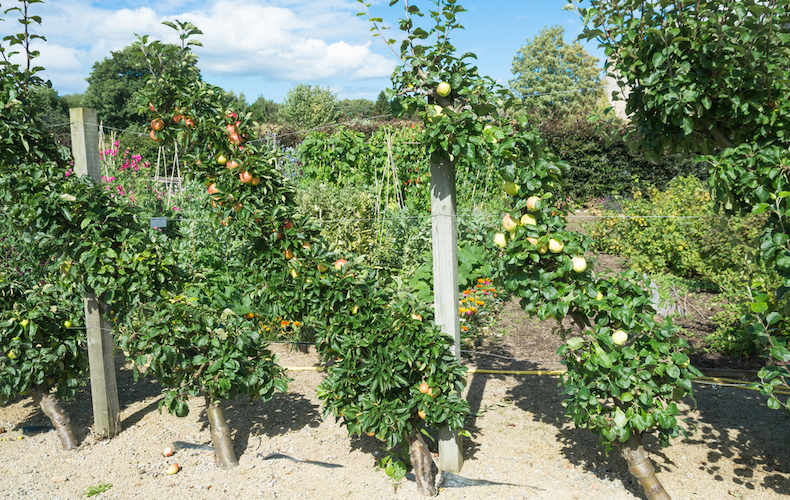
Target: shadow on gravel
x=281 y=415
x=541 y=398
x=738 y=425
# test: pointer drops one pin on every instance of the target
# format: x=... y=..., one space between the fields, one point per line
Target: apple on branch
x=508 y=223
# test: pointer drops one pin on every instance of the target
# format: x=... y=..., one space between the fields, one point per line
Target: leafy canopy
x=555 y=78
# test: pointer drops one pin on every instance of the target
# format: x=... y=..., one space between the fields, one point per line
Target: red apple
x=189 y=122
x=339 y=263
x=154 y=136
x=173 y=469
x=230 y=128
x=157 y=124
x=177 y=118
x=212 y=189
x=245 y=177
x=168 y=451
x=287 y=224
x=235 y=139
x=231 y=164
x=288 y=254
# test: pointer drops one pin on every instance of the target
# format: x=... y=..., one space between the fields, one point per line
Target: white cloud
x=296 y=40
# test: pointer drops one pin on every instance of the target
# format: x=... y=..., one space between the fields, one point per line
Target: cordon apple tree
x=732 y=113
x=620 y=392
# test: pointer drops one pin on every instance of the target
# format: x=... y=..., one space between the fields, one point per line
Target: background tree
x=112 y=86
x=264 y=110
x=72 y=100
x=548 y=65
x=53 y=109
x=236 y=102
x=308 y=106
x=355 y=108
x=382 y=105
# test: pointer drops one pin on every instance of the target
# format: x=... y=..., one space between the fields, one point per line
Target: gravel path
x=738 y=449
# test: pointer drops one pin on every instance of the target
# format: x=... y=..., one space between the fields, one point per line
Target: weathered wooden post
x=444 y=236
x=104 y=389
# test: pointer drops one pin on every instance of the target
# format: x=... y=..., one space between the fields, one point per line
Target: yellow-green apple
x=555 y=246
x=443 y=89
x=619 y=337
x=532 y=203
x=528 y=220
x=508 y=223
x=511 y=188
x=500 y=240
x=579 y=264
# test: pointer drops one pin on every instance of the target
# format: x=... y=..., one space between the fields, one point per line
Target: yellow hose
x=723 y=382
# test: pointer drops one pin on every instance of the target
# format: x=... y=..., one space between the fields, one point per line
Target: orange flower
x=284 y=323
x=297 y=323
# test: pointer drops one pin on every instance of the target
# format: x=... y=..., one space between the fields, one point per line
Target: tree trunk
x=220 y=435
x=60 y=420
x=421 y=460
x=640 y=466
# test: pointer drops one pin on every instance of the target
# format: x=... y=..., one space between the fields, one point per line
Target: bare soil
x=737 y=447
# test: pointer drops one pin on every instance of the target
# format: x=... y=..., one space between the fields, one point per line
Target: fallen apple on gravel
x=168 y=451
x=173 y=469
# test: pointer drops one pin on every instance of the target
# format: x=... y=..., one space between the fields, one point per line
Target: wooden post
x=444 y=238
x=104 y=388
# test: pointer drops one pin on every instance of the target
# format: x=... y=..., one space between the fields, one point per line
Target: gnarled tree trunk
x=421 y=460
x=640 y=466
x=220 y=435
x=60 y=420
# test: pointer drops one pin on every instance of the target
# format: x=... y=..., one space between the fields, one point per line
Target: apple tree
x=626 y=371
x=73 y=228
x=710 y=78
x=619 y=389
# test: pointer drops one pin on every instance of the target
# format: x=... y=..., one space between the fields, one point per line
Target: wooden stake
x=444 y=236
x=104 y=389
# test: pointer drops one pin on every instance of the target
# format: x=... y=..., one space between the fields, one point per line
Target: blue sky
x=262 y=47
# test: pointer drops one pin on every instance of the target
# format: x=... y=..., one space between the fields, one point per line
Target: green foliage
x=724 y=63
x=602 y=164
x=264 y=110
x=112 y=88
x=53 y=108
x=548 y=65
x=537 y=266
x=672 y=231
x=382 y=105
x=709 y=77
x=97 y=490
x=636 y=388
x=192 y=351
x=307 y=106
x=346 y=214
x=384 y=350
x=341 y=157
x=38 y=350
x=355 y=108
